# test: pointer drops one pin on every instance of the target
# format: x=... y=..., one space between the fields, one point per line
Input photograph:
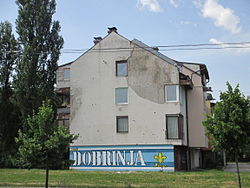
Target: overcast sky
x=160 y=23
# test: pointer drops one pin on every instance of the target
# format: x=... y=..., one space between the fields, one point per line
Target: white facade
x=93 y=83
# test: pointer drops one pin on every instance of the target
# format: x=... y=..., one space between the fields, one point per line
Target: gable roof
x=155 y=52
x=203 y=67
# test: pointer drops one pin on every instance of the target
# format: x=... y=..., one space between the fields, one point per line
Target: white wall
x=93 y=83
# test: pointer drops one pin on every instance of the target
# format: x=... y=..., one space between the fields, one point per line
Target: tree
x=44 y=143
x=41 y=44
x=229 y=125
x=9 y=124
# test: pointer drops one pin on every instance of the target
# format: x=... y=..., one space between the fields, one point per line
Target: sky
x=161 y=23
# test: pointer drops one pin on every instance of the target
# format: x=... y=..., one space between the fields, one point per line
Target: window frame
x=117 y=120
x=116 y=96
x=180 y=126
x=116 y=67
x=177 y=92
x=66 y=69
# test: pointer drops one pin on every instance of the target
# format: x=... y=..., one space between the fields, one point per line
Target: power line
x=179 y=47
x=175 y=47
x=207 y=48
x=206 y=44
x=171 y=49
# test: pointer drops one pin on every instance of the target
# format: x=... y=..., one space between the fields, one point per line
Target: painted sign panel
x=123 y=158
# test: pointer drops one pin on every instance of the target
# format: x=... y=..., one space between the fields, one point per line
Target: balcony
x=186 y=81
x=63 y=110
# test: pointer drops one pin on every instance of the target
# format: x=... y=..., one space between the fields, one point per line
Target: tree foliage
x=8 y=58
x=45 y=143
x=9 y=123
x=229 y=125
x=41 y=43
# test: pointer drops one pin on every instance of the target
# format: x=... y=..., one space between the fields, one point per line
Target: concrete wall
x=196 y=109
x=93 y=83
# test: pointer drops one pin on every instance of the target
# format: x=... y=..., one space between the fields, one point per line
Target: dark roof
x=153 y=51
x=66 y=64
x=203 y=67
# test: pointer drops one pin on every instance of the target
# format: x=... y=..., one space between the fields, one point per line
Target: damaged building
x=133 y=108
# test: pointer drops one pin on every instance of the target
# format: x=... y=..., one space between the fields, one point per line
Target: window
x=174 y=127
x=121 y=68
x=64 y=100
x=171 y=93
x=122 y=124
x=66 y=74
x=182 y=95
x=121 y=95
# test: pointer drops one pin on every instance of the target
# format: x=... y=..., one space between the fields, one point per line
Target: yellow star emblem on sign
x=160 y=157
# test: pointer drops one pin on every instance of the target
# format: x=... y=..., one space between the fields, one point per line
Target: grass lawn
x=72 y=178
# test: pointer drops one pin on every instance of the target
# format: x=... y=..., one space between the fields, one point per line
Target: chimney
x=155 y=48
x=97 y=39
x=110 y=29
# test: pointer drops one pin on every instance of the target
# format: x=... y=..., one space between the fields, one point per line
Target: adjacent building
x=133 y=107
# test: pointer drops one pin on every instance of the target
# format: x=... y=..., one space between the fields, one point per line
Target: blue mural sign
x=123 y=158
